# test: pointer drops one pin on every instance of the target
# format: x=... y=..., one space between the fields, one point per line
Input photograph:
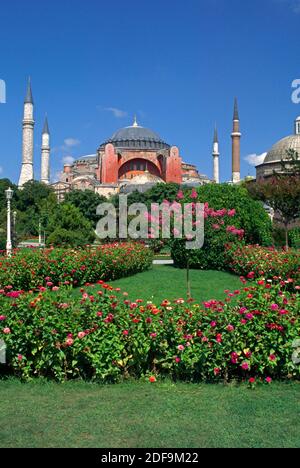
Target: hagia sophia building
x=134 y=158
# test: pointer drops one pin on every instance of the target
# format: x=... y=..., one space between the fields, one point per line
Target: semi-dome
x=137 y=137
x=279 y=150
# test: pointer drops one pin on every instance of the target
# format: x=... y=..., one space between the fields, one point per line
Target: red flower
x=152 y=379
x=269 y=380
x=252 y=380
x=272 y=357
x=217 y=371
x=125 y=332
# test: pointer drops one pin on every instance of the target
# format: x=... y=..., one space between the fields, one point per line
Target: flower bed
x=30 y=269
x=104 y=336
x=255 y=262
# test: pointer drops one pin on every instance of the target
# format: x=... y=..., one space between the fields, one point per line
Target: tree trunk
x=286 y=236
x=188 y=280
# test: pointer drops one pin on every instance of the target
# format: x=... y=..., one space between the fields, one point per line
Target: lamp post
x=40 y=233
x=9 y=194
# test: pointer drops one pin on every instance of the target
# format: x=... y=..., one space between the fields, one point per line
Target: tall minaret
x=236 y=145
x=216 y=155
x=45 y=160
x=28 y=125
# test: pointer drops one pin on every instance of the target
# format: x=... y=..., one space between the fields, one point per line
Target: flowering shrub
x=219 y=230
x=105 y=337
x=231 y=215
x=255 y=262
x=29 y=269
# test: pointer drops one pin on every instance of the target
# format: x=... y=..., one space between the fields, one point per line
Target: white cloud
x=294 y=5
x=68 y=160
x=1 y=170
x=71 y=142
x=118 y=113
x=255 y=159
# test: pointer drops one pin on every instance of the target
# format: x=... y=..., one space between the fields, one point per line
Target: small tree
x=282 y=193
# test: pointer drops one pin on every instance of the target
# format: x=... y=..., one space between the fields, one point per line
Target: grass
x=166 y=282
x=134 y=415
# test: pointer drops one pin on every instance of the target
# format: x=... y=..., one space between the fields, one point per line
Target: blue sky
x=177 y=64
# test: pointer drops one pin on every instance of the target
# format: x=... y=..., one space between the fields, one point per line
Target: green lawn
x=166 y=282
x=148 y=415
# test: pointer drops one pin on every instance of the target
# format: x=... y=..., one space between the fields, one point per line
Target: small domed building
x=134 y=158
x=279 y=153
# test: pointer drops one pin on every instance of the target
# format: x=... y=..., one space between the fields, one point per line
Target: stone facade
x=133 y=156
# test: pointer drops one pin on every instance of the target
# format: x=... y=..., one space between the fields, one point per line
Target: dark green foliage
x=87 y=202
x=68 y=227
x=294 y=237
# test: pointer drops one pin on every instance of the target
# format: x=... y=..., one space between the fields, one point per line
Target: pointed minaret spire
x=216 y=140
x=45 y=158
x=28 y=133
x=236 y=110
x=135 y=124
x=46 y=126
x=236 y=145
x=216 y=155
x=28 y=97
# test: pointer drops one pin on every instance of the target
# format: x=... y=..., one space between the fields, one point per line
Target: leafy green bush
x=29 y=269
x=294 y=236
x=99 y=336
x=68 y=227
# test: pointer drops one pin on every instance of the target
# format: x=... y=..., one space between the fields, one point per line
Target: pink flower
x=55 y=288
x=213 y=324
x=269 y=380
x=153 y=335
x=230 y=328
x=283 y=312
x=249 y=316
x=245 y=366
x=20 y=357
x=81 y=335
x=69 y=341
x=274 y=307
x=2 y=318
x=194 y=194
x=217 y=371
x=180 y=195
x=177 y=360
x=180 y=348
x=252 y=380
x=6 y=331
x=219 y=338
x=272 y=357
x=125 y=332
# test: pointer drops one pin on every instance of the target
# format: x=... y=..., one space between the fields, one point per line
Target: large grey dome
x=136 y=137
x=279 y=150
